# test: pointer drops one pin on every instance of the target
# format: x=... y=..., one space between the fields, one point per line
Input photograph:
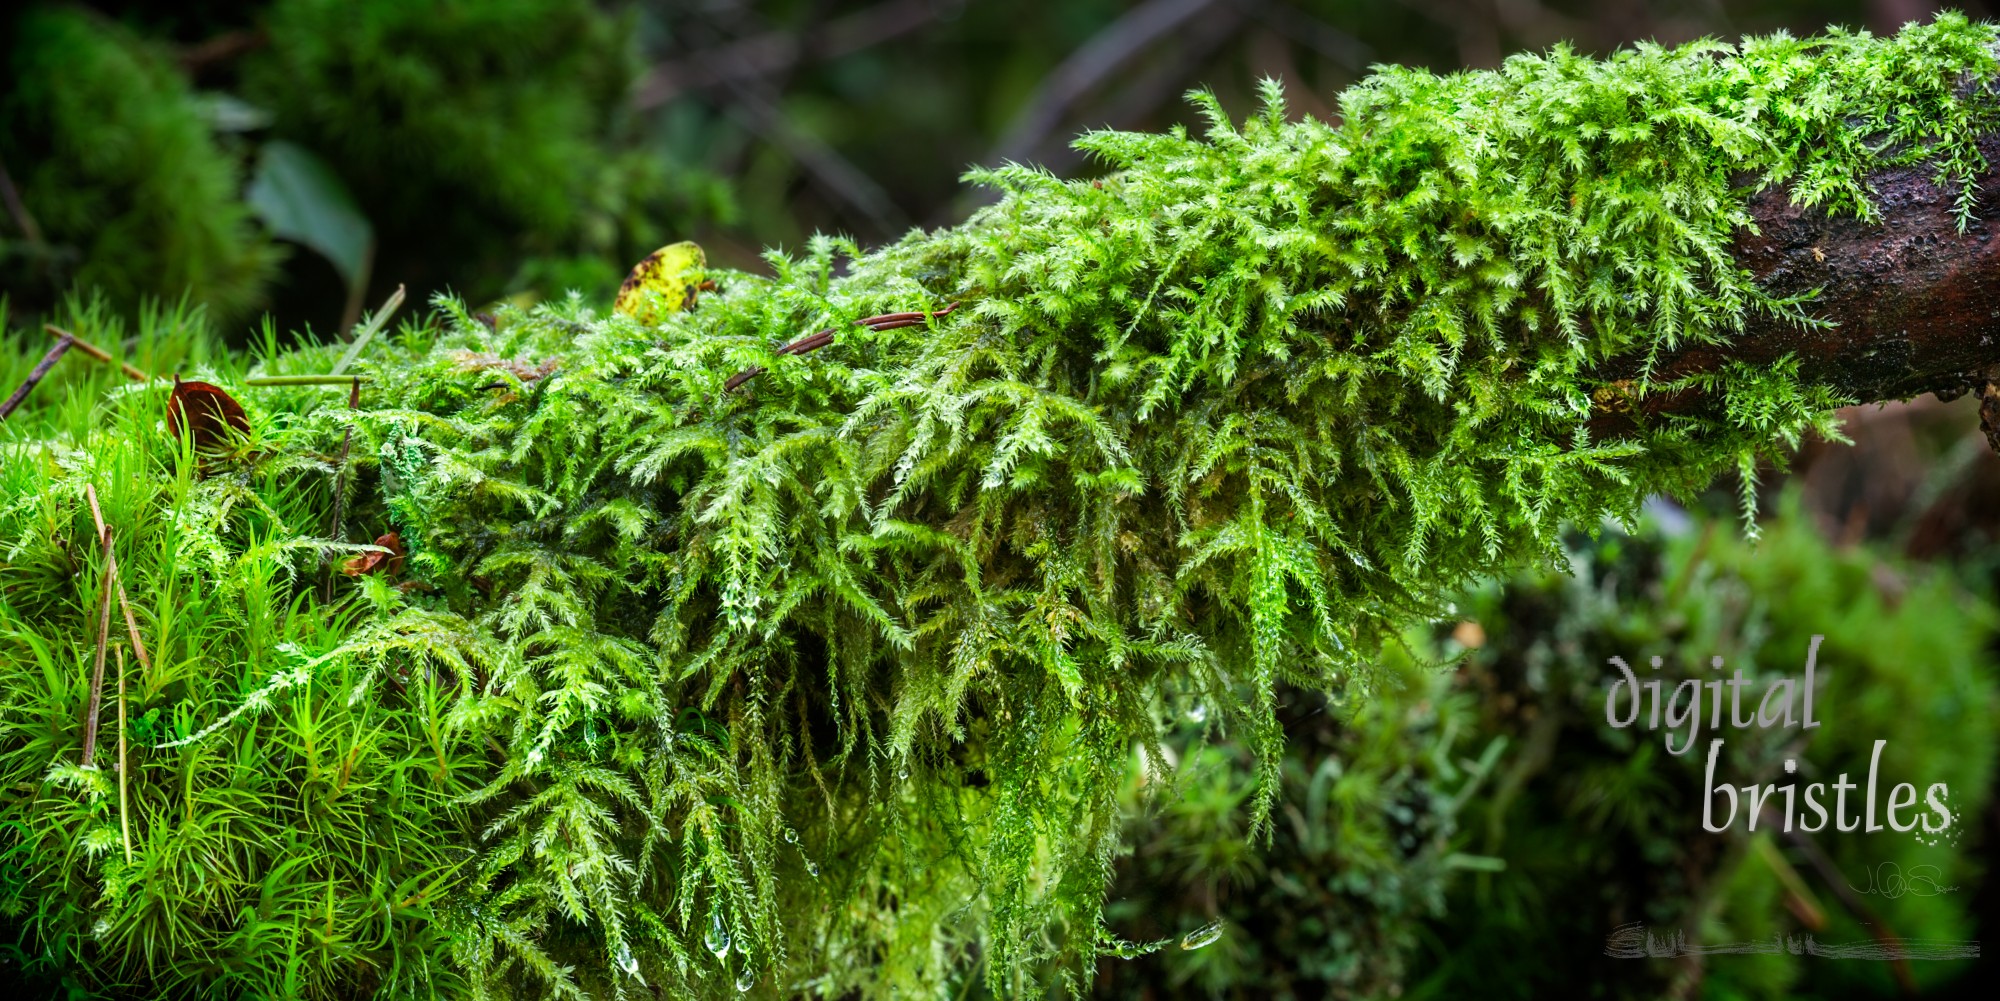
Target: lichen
x=1227 y=418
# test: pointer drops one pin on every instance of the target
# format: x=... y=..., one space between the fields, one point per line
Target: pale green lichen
x=1222 y=421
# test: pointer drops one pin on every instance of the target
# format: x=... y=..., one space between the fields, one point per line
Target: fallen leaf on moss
x=205 y=411
x=669 y=277
x=389 y=563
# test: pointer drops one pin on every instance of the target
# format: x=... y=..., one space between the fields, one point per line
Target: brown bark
x=1916 y=302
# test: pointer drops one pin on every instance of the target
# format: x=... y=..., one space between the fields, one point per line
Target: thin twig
x=35 y=377
x=303 y=380
x=813 y=342
x=333 y=531
x=98 y=353
x=222 y=48
x=97 y=673
x=834 y=173
x=1844 y=892
x=124 y=816
x=111 y=567
x=1338 y=47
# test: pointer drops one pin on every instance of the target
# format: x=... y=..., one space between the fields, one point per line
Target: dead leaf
x=206 y=411
x=669 y=277
x=389 y=563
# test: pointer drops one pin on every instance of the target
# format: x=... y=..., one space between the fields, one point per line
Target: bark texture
x=1916 y=302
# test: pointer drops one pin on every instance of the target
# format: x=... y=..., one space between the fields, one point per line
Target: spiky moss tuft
x=1222 y=421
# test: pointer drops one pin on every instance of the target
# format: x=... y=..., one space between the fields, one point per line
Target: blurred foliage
x=1334 y=903
x=485 y=142
x=1506 y=764
x=133 y=194
x=1602 y=826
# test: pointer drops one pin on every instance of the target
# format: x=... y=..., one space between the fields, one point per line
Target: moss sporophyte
x=1218 y=424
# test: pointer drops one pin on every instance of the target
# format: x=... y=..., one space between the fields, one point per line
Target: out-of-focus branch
x=839 y=176
x=773 y=52
x=1160 y=83
x=1336 y=46
x=199 y=58
x=19 y=209
x=1088 y=68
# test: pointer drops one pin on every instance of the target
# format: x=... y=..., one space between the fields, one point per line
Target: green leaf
x=301 y=199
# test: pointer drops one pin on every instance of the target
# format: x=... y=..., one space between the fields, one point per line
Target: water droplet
x=812 y=868
x=1198 y=713
x=791 y=836
x=904 y=775
x=745 y=981
x=1204 y=935
x=717 y=938
x=626 y=961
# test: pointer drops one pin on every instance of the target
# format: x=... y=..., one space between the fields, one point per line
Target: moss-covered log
x=826 y=681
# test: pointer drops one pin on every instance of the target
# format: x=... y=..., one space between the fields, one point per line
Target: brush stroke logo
x=1635 y=941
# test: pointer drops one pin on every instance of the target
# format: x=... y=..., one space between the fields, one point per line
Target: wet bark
x=1916 y=303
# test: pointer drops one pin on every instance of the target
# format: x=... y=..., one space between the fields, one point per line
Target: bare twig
x=774 y=52
x=222 y=48
x=124 y=814
x=97 y=673
x=41 y=369
x=340 y=489
x=1140 y=93
x=111 y=567
x=1338 y=47
x=98 y=353
x=813 y=342
x=303 y=380
x=1845 y=893
x=1842 y=891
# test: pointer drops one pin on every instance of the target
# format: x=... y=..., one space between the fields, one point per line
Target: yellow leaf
x=665 y=280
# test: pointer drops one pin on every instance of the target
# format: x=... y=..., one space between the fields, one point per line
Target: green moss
x=1224 y=421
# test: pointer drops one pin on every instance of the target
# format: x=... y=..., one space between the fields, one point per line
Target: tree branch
x=1916 y=303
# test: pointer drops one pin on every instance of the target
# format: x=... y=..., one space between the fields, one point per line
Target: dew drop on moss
x=717 y=938
x=1204 y=935
x=745 y=980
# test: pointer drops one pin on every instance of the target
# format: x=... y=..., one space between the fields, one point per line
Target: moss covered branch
x=834 y=679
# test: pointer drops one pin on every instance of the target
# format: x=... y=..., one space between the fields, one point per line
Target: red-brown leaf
x=389 y=563
x=206 y=411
